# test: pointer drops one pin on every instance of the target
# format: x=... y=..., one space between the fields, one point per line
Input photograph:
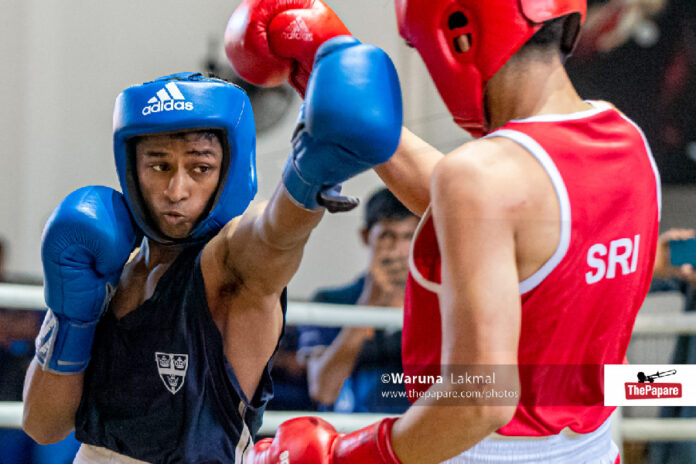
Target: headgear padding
x=180 y=102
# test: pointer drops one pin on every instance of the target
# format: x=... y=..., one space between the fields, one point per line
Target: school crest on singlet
x=172 y=370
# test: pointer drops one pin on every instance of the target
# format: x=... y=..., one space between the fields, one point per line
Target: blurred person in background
x=344 y=365
x=289 y=374
x=680 y=279
x=645 y=48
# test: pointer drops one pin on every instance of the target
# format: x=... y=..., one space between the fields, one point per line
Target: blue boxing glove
x=350 y=121
x=85 y=244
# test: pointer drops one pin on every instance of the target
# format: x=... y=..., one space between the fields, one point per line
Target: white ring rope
x=630 y=428
x=14 y=296
x=331 y=315
x=24 y=297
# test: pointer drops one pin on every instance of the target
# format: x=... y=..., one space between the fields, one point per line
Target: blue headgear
x=189 y=101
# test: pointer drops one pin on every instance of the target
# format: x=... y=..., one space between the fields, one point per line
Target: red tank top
x=579 y=308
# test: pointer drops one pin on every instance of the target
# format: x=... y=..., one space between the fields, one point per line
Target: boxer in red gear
x=535 y=248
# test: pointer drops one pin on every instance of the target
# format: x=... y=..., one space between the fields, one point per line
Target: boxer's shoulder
x=492 y=170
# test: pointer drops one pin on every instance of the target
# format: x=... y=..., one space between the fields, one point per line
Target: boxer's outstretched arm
x=264 y=249
x=246 y=269
x=475 y=199
x=407 y=174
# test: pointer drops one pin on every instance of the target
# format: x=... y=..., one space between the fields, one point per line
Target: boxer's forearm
x=480 y=317
x=278 y=237
x=408 y=172
x=449 y=429
x=284 y=224
x=264 y=247
x=50 y=404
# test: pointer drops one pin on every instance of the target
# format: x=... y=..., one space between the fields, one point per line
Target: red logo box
x=652 y=391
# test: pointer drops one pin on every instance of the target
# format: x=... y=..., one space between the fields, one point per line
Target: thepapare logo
x=645 y=389
x=168 y=98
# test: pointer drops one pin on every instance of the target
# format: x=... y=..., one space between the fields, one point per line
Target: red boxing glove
x=311 y=440
x=269 y=41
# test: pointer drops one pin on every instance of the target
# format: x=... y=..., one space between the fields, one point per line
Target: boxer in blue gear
x=180 y=357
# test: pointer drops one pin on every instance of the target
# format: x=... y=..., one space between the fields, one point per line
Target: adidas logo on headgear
x=168 y=98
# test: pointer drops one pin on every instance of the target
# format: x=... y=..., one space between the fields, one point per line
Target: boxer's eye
x=409 y=44
x=159 y=167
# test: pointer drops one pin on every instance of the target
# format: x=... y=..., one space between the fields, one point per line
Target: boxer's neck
x=154 y=254
x=530 y=86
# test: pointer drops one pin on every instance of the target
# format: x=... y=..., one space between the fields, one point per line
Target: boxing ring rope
x=28 y=297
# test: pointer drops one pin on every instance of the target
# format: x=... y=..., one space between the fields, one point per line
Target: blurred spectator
x=663 y=268
x=641 y=55
x=681 y=279
x=344 y=365
x=610 y=24
x=290 y=390
x=17 y=331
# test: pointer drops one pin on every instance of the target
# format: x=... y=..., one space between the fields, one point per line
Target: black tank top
x=159 y=388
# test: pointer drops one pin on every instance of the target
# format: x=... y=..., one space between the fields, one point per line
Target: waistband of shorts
x=594 y=447
x=90 y=454
x=566 y=432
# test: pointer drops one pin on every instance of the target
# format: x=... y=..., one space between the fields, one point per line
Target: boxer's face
x=178 y=173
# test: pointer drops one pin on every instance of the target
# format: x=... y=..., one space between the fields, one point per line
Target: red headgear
x=495 y=29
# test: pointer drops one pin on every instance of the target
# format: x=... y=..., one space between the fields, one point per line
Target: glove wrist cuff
x=64 y=346
x=303 y=193
x=369 y=445
x=384 y=441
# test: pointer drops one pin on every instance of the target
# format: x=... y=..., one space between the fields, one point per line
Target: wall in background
x=64 y=62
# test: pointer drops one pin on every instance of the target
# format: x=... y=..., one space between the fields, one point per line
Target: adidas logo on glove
x=298 y=30
x=168 y=98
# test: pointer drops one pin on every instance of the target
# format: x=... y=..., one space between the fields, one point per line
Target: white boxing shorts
x=89 y=454
x=565 y=448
